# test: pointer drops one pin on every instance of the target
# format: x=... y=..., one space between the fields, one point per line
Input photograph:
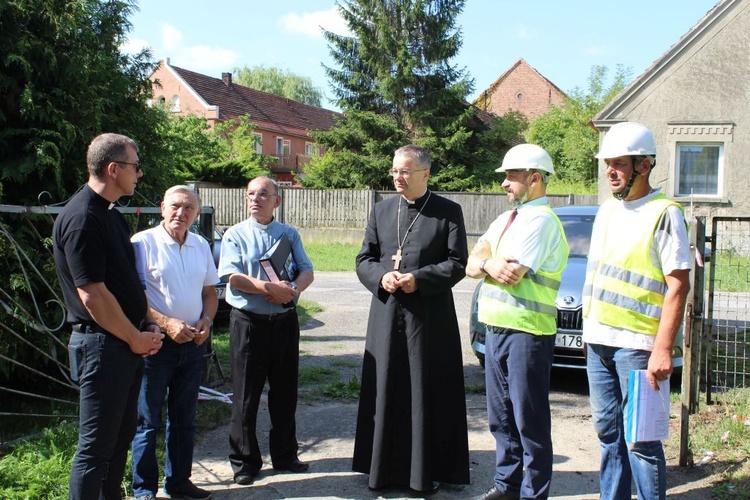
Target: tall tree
x=279 y=82
x=396 y=84
x=564 y=132
x=63 y=80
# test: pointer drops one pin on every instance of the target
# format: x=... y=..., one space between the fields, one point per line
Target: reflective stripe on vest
x=528 y=306
x=625 y=289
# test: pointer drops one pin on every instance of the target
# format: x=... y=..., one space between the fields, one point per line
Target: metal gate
x=727 y=327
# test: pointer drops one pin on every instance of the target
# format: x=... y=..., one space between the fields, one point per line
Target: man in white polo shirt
x=180 y=275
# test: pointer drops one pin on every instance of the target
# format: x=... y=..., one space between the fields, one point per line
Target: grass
x=723 y=429
x=332 y=256
x=306 y=309
x=732 y=271
x=343 y=390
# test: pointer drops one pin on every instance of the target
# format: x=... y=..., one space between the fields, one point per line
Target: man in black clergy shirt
x=108 y=310
x=411 y=425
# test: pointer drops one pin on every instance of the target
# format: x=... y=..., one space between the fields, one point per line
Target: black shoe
x=432 y=489
x=244 y=478
x=293 y=466
x=494 y=494
x=188 y=491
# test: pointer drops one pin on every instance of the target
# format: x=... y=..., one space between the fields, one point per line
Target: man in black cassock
x=411 y=426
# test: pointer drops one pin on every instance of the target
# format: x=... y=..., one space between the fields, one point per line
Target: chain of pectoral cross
x=396 y=258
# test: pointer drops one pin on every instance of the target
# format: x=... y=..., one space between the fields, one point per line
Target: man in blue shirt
x=264 y=334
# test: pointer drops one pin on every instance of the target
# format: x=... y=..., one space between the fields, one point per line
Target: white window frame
x=175 y=101
x=681 y=134
x=258 y=142
x=311 y=149
x=279 y=146
x=679 y=148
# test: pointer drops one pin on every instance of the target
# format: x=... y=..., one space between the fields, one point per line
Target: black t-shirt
x=92 y=245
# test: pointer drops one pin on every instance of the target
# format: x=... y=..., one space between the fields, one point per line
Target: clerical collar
x=419 y=201
x=259 y=225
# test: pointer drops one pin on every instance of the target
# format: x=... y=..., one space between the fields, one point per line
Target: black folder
x=278 y=262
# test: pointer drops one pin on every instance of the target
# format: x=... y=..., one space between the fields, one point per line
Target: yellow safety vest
x=528 y=306
x=624 y=289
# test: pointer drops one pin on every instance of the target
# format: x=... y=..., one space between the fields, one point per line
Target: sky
x=561 y=39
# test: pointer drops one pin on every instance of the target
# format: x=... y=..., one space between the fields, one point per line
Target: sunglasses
x=137 y=165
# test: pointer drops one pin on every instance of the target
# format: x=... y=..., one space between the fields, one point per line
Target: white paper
x=647 y=411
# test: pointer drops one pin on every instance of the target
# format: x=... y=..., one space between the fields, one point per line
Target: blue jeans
x=109 y=375
x=621 y=462
x=173 y=373
x=517 y=373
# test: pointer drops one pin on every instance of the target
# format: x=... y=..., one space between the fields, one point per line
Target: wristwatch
x=481 y=266
x=294 y=286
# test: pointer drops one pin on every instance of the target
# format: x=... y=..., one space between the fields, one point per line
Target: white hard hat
x=527 y=157
x=627 y=139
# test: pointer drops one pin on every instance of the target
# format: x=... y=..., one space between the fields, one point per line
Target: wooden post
x=692 y=335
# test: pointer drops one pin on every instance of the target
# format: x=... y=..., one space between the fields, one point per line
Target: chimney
x=227 y=77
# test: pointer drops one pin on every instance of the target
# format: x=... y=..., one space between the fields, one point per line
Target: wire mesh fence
x=728 y=306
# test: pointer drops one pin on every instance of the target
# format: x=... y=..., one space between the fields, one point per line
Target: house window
x=311 y=149
x=279 y=146
x=175 y=104
x=699 y=169
x=699 y=155
x=258 y=142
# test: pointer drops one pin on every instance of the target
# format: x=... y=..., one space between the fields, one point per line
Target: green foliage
x=63 y=81
x=343 y=390
x=39 y=468
x=396 y=84
x=225 y=155
x=279 y=82
x=564 y=131
x=358 y=152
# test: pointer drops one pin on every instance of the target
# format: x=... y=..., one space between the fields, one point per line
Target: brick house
x=283 y=124
x=521 y=88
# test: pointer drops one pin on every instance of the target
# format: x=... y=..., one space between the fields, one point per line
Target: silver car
x=577 y=222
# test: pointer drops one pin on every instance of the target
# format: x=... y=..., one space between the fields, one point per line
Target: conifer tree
x=396 y=83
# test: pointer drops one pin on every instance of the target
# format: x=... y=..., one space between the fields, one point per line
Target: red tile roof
x=267 y=111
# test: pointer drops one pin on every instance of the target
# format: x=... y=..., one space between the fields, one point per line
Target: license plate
x=570 y=340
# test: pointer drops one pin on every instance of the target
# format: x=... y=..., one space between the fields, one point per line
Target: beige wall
x=703 y=94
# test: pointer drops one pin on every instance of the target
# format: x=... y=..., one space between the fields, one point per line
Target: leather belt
x=266 y=316
x=87 y=327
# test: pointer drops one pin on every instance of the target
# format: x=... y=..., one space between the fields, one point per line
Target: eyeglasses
x=262 y=194
x=405 y=173
x=137 y=165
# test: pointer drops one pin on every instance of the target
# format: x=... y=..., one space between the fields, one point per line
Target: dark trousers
x=517 y=375
x=263 y=349
x=109 y=375
x=174 y=374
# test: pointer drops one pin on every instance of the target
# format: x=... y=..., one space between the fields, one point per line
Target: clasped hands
x=506 y=271
x=280 y=292
x=394 y=280
x=181 y=332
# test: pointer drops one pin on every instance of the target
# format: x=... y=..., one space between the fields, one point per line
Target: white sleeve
x=671 y=249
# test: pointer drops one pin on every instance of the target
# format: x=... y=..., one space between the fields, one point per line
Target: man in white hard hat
x=633 y=303
x=521 y=258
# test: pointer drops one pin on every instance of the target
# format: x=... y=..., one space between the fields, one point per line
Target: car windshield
x=578 y=232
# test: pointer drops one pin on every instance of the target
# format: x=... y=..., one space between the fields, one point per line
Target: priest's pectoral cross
x=396 y=259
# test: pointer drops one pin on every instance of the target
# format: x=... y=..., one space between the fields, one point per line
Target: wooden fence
x=344 y=212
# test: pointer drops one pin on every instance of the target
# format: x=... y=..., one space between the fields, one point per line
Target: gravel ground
x=334 y=340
